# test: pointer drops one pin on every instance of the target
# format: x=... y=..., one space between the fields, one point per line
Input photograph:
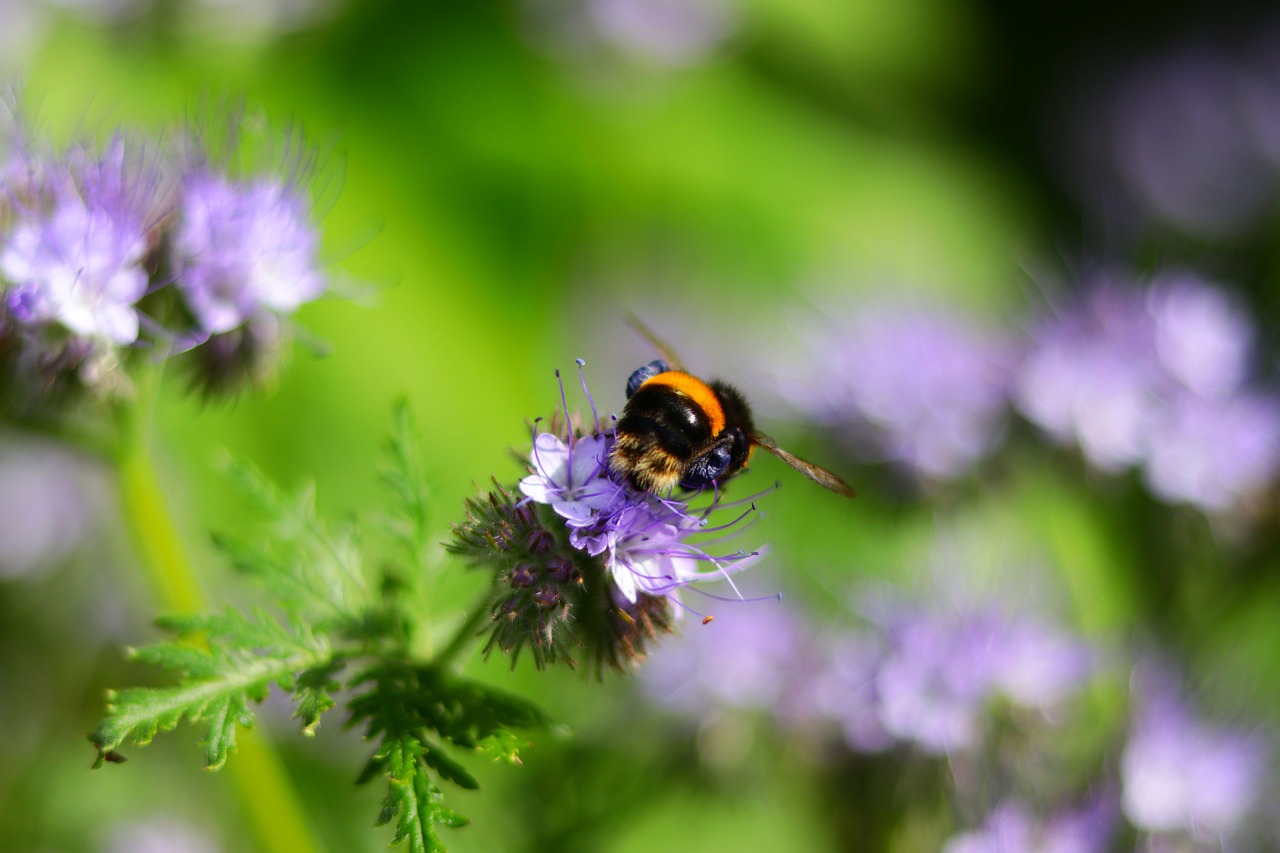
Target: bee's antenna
x=664 y=349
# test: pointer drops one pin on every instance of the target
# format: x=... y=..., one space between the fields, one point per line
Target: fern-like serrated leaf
x=219 y=688
x=312 y=693
x=503 y=746
x=302 y=564
x=403 y=476
x=412 y=798
x=438 y=760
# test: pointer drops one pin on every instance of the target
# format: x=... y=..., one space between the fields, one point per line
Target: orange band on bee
x=696 y=390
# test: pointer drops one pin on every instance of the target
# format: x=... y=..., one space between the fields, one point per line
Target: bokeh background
x=501 y=183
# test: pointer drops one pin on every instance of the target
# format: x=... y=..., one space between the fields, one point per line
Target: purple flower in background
x=928 y=385
x=1037 y=665
x=74 y=256
x=80 y=267
x=670 y=32
x=1202 y=338
x=1159 y=378
x=647 y=34
x=746 y=659
x=935 y=680
x=1013 y=828
x=1214 y=453
x=50 y=501
x=242 y=248
x=1183 y=147
x=1186 y=141
x=941 y=668
x=836 y=682
x=1092 y=375
x=1182 y=775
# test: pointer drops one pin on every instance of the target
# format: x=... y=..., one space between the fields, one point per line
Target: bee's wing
x=668 y=354
x=821 y=476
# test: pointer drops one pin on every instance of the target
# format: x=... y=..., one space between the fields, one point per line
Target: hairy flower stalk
x=583 y=559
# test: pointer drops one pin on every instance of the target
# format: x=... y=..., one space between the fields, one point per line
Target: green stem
x=266 y=792
x=465 y=634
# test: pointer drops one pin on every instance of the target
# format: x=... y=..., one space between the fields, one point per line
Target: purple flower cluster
x=582 y=558
x=924 y=676
x=643 y=540
x=1160 y=377
x=1014 y=826
x=923 y=387
x=128 y=246
x=1182 y=776
x=932 y=678
x=242 y=249
x=1157 y=377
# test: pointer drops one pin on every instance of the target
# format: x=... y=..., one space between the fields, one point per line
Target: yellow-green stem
x=266 y=792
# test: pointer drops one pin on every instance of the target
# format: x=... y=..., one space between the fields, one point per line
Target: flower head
x=1013 y=826
x=74 y=257
x=608 y=561
x=923 y=387
x=642 y=540
x=1157 y=377
x=1182 y=775
x=243 y=248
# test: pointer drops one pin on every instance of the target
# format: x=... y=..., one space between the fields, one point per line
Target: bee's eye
x=644 y=374
x=708 y=467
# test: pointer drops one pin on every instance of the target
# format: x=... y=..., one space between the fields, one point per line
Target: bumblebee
x=677 y=430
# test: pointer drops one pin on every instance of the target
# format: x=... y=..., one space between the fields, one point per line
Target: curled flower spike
x=585 y=556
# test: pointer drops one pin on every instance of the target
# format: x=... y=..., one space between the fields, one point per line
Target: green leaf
x=412 y=799
x=301 y=563
x=406 y=481
x=312 y=692
x=438 y=760
x=220 y=683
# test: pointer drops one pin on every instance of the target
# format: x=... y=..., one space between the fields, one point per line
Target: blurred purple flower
x=1157 y=378
x=1202 y=338
x=1038 y=666
x=929 y=385
x=75 y=254
x=1181 y=775
x=836 y=682
x=942 y=668
x=1183 y=146
x=1013 y=828
x=669 y=32
x=935 y=680
x=242 y=249
x=1092 y=374
x=746 y=660
x=1184 y=140
x=157 y=834
x=50 y=499
x=1214 y=453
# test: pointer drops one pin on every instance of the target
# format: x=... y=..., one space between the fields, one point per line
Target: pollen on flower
x=586 y=560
